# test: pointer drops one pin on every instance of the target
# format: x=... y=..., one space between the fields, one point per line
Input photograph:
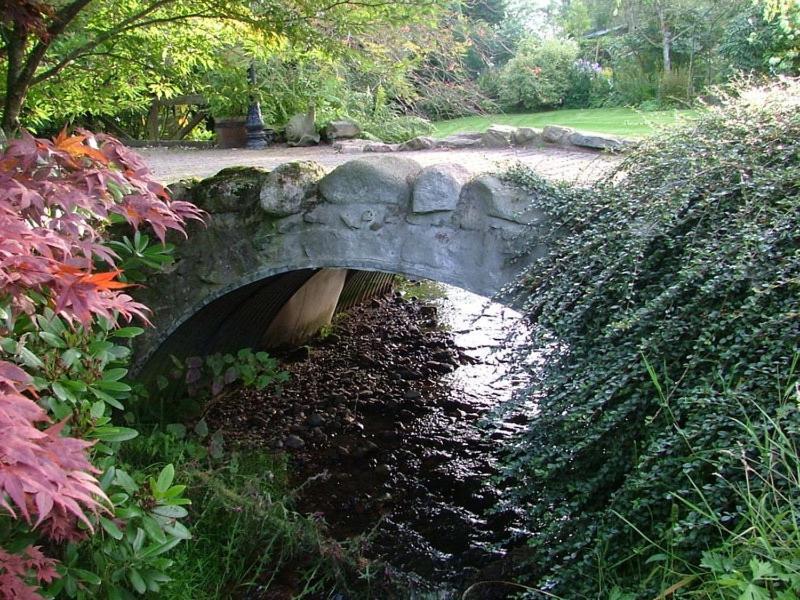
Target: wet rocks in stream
x=378 y=442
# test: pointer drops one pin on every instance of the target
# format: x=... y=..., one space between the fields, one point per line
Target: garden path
x=172 y=164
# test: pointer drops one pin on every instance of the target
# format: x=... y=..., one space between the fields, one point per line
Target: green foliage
x=783 y=55
x=445 y=100
x=113 y=58
x=379 y=119
x=129 y=556
x=63 y=326
x=589 y=85
x=538 y=76
x=139 y=255
x=209 y=376
x=287 y=83
x=675 y=88
x=78 y=374
x=760 y=40
x=688 y=256
x=633 y=86
x=197 y=381
x=245 y=532
x=575 y=19
x=759 y=556
x=704 y=41
x=122 y=75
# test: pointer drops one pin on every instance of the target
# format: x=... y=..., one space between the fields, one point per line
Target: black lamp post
x=254 y=125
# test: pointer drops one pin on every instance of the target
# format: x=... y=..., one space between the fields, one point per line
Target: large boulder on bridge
x=489 y=201
x=438 y=188
x=374 y=179
x=289 y=187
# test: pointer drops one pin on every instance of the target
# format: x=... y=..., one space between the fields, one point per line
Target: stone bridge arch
x=268 y=234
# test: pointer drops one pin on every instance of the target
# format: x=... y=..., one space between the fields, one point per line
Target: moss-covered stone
x=290 y=187
x=235 y=189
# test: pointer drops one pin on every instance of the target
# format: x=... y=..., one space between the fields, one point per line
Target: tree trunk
x=11 y=109
x=666 y=40
x=23 y=62
x=16 y=87
x=153 y=126
x=666 y=50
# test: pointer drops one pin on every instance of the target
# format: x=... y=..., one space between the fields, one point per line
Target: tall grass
x=758 y=557
x=247 y=539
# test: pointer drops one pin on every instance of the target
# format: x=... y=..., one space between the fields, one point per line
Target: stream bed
x=390 y=421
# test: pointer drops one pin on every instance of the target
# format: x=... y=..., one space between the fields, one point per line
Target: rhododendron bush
x=61 y=304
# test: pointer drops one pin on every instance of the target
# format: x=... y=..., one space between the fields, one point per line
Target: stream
x=392 y=427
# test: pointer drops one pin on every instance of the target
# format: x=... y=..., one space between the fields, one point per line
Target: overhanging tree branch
x=106 y=36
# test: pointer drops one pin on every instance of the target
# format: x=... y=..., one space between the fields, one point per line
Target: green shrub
x=675 y=88
x=633 y=86
x=688 y=256
x=538 y=76
x=245 y=532
x=378 y=118
x=589 y=85
x=759 y=553
x=441 y=100
x=489 y=83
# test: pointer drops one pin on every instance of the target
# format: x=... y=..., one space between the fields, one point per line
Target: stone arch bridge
x=281 y=249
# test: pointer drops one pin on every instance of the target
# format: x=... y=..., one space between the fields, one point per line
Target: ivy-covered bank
x=662 y=460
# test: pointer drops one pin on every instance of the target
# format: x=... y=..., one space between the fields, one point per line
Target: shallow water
x=393 y=423
x=393 y=431
x=447 y=532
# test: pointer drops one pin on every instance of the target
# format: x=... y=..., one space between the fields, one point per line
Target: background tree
x=56 y=41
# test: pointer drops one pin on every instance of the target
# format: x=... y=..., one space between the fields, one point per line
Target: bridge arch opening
x=277 y=307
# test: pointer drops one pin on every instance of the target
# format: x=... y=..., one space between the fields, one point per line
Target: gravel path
x=172 y=164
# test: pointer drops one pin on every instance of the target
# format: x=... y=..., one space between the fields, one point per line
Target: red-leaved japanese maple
x=56 y=199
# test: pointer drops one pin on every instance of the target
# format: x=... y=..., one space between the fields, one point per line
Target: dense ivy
x=687 y=258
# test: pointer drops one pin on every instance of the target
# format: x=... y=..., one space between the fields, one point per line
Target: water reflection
x=445 y=533
x=489 y=333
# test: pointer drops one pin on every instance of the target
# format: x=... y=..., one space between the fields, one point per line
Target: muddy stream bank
x=389 y=423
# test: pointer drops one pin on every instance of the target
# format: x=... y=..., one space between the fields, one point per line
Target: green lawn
x=625 y=122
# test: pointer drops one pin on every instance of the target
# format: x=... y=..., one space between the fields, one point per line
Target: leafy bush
x=758 y=555
x=210 y=375
x=675 y=88
x=688 y=256
x=377 y=117
x=758 y=40
x=442 y=100
x=538 y=75
x=245 y=531
x=589 y=85
x=59 y=317
x=289 y=83
x=633 y=86
x=197 y=381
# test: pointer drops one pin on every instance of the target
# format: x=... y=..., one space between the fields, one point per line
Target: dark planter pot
x=230 y=132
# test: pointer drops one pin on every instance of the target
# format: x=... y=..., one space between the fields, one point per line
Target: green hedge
x=688 y=257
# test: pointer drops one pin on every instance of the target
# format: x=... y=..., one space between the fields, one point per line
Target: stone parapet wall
x=496 y=136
